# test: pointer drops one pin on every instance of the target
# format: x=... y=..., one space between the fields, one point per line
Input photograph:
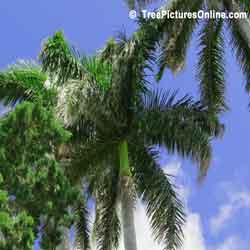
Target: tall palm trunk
x=65 y=244
x=127 y=211
x=127 y=200
x=242 y=24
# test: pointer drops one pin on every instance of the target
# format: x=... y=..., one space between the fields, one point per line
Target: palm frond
x=82 y=226
x=89 y=159
x=23 y=81
x=241 y=49
x=91 y=99
x=131 y=60
x=182 y=126
x=60 y=60
x=79 y=99
x=98 y=70
x=109 y=52
x=176 y=37
x=163 y=207
x=107 y=223
x=211 y=66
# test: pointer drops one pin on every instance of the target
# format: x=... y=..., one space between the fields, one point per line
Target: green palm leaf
x=211 y=66
x=182 y=126
x=82 y=227
x=176 y=38
x=24 y=81
x=107 y=223
x=163 y=207
x=242 y=51
x=60 y=60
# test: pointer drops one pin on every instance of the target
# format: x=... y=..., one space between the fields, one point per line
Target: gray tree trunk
x=65 y=244
x=127 y=211
x=243 y=24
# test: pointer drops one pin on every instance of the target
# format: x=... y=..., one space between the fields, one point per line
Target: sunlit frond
x=60 y=60
x=24 y=81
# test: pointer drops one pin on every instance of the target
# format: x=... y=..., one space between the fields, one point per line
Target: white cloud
x=237 y=201
x=229 y=244
x=233 y=243
x=193 y=233
x=173 y=169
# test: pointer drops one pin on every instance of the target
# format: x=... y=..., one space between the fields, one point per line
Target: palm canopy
x=115 y=120
x=174 y=35
x=115 y=123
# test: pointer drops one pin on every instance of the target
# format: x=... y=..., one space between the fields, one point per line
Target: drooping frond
x=107 y=223
x=176 y=37
x=82 y=227
x=211 y=66
x=182 y=126
x=164 y=209
x=241 y=49
x=60 y=60
x=23 y=81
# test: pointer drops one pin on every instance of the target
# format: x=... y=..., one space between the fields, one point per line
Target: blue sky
x=219 y=209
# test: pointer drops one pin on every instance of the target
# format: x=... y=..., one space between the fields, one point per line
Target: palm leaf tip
x=60 y=60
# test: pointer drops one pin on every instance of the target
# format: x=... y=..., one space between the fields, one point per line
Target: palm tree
x=174 y=36
x=116 y=122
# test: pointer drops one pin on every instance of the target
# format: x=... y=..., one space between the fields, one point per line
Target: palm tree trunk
x=127 y=199
x=243 y=24
x=65 y=244
x=127 y=211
